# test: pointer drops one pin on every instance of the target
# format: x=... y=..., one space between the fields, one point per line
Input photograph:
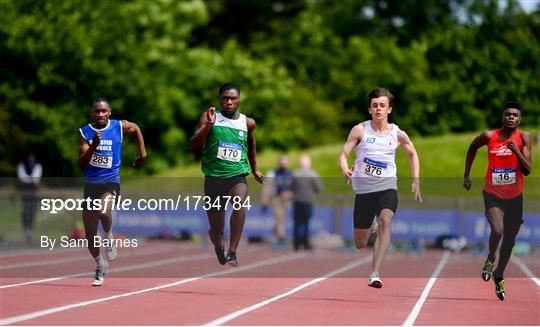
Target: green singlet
x=225 y=151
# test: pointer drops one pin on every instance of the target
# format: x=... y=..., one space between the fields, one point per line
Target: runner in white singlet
x=373 y=175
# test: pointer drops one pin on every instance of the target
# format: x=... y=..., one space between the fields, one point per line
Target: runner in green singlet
x=229 y=151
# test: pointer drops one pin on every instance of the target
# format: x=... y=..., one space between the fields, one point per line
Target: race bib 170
x=229 y=151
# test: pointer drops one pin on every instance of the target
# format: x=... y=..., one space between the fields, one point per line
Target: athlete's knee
x=360 y=243
x=216 y=234
x=384 y=224
x=497 y=231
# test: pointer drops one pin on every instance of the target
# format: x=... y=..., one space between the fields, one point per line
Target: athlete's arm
x=478 y=142
x=355 y=136
x=206 y=122
x=132 y=128
x=252 y=151
x=407 y=145
x=524 y=156
x=86 y=150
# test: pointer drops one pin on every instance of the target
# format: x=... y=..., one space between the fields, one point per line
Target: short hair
x=228 y=86
x=380 y=92
x=100 y=99
x=512 y=104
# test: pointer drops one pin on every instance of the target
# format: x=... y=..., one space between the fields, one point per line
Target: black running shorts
x=215 y=187
x=512 y=208
x=369 y=205
x=96 y=191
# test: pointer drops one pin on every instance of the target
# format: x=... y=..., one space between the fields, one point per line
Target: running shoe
x=99 y=276
x=374 y=226
x=231 y=259
x=220 y=252
x=110 y=250
x=487 y=270
x=220 y=256
x=374 y=281
x=499 y=288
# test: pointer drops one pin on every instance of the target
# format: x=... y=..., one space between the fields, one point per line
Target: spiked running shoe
x=220 y=256
x=487 y=270
x=499 y=288
x=231 y=259
x=220 y=252
x=99 y=276
x=374 y=281
x=374 y=226
x=110 y=250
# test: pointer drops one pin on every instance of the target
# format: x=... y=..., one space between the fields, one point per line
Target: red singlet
x=504 y=178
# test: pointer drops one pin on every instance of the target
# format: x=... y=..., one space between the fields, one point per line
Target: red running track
x=182 y=284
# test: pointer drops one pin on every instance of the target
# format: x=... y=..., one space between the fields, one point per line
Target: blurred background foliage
x=304 y=67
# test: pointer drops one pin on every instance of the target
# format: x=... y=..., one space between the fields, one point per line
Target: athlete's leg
x=90 y=221
x=105 y=214
x=238 y=194
x=361 y=236
x=364 y=211
x=383 y=239
x=508 y=242
x=216 y=220
x=494 y=216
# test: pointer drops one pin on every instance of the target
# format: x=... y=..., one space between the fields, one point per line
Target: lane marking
x=41 y=313
x=78 y=258
x=418 y=306
x=236 y=314
x=151 y=264
x=518 y=262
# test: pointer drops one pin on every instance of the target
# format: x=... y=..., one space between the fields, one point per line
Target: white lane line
x=518 y=262
x=44 y=251
x=41 y=313
x=151 y=264
x=81 y=258
x=236 y=314
x=418 y=306
x=11 y=253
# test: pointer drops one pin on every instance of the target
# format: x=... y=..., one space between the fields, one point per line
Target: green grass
x=442 y=160
x=440 y=156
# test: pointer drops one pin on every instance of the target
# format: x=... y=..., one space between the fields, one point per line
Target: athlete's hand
x=512 y=146
x=139 y=161
x=348 y=174
x=259 y=177
x=96 y=139
x=467 y=182
x=211 y=115
x=416 y=190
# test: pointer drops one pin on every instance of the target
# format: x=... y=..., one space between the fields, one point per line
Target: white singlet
x=375 y=165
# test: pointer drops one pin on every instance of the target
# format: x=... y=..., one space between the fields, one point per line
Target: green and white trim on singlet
x=225 y=151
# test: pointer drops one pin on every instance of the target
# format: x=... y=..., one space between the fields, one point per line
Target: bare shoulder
x=125 y=123
x=251 y=124
x=403 y=137
x=525 y=136
x=358 y=130
x=488 y=134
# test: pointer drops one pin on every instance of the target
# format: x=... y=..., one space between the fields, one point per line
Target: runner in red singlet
x=509 y=157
